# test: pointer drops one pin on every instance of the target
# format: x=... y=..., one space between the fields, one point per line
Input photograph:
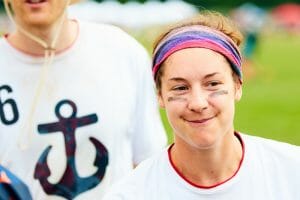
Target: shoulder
x=115 y=42
x=104 y=29
x=6 y=52
x=108 y=33
x=134 y=184
x=274 y=150
x=2 y=42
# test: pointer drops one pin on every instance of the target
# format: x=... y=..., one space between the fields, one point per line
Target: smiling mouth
x=35 y=1
x=200 y=121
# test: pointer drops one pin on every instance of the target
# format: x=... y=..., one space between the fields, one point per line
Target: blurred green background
x=270 y=106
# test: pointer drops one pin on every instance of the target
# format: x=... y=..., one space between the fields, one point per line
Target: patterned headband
x=197 y=36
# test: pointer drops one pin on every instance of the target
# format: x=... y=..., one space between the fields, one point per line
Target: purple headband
x=201 y=37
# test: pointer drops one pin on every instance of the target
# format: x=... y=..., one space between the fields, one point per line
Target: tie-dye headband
x=197 y=36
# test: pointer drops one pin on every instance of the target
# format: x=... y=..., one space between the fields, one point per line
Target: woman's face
x=198 y=93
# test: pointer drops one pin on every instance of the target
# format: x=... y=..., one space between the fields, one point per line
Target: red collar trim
x=217 y=184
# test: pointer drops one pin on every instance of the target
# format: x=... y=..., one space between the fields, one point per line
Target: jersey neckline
x=39 y=58
x=218 y=186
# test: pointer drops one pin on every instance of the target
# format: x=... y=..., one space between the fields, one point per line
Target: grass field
x=270 y=106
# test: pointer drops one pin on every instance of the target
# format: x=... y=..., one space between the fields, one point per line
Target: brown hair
x=210 y=19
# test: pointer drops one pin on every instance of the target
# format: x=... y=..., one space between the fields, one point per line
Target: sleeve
x=148 y=136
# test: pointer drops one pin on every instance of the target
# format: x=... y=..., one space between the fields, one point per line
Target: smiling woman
x=198 y=72
x=204 y=78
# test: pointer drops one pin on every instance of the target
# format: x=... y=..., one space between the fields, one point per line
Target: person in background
x=251 y=20
x=12 y=187
x=198 y=72
x=77 y=102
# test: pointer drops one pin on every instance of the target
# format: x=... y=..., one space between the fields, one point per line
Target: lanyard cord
x=25 y=136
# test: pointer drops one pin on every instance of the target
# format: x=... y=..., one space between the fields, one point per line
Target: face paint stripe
x=176 y=99
x=218 y=93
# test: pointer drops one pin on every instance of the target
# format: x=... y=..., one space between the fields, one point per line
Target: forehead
x=195 y=62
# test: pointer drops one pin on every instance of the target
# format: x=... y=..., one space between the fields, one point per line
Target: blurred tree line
x=234 y=3
x=221 y=3
x=214 y=3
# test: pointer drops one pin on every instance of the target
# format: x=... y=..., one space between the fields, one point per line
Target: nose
x=197 y=101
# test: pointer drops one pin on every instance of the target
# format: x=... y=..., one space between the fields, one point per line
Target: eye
x=213 y=84
x=180 y=88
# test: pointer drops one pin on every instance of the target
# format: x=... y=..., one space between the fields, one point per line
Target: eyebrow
x=179 y=79
x=211 y=75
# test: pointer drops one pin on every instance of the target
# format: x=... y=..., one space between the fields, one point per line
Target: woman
x=197 y=68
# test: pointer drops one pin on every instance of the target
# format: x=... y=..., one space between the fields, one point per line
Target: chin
x=39 y=23
x=205 y=145
x=39 y=18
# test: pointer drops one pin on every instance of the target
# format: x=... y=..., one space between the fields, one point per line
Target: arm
x=148 y=133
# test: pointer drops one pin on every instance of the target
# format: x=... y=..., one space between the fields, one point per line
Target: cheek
x=227 y=110
x=16 y=8
x=174 y=110
x=224 y=102
x=56 y=11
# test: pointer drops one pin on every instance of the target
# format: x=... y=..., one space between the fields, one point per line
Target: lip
x=199 y=121
x=30 y=1
x=35 y=5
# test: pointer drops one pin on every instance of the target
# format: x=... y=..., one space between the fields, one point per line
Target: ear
x=160 y=100
x=238 y=91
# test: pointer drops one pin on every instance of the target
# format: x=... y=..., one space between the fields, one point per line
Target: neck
x=210 y=167
x=66 y=36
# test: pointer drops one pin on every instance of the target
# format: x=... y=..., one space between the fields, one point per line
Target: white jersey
x=269 y=170
x=96 y=115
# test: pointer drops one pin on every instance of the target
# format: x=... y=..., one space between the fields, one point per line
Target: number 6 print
x=6 y=106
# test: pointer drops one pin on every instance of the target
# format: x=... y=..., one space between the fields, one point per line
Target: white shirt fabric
x=269 y=170
x=106 y=76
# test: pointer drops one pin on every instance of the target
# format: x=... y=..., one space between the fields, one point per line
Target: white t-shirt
x=95 y=117
x=269 y=170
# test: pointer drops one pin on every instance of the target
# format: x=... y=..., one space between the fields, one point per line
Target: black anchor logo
x=70 y=185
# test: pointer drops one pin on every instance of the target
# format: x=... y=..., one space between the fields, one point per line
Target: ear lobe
x=160 y=100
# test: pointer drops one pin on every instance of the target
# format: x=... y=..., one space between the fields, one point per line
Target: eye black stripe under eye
x=218 y=93
x=176 y=99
